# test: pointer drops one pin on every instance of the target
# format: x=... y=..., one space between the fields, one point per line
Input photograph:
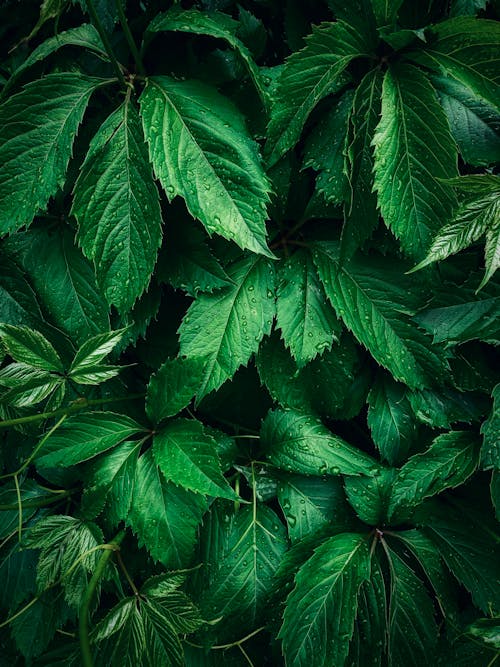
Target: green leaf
x=391 y=420
x=188 y=263
x=30 y=494
x=385 y=11
x=30 y=347
x=449 y=461
x=164 y=517
x=303 y=314
x=490 y=451
x=441 y=409
x=187 y=456
x=225 y=328
x=49 y=9
x=376 y=302
x=412 y=628
x=27 y=385
x=300 y=443
x=413 y=149
x=172 y=387
x=201 y=150
x=361 y=213
x=310 y=75
x=319 y=615
x=325 y=150
x=214 y=24
x=64 y=282
x=466 y=7
x=246 y=560
x=84 y=36
x=486 y=630
x=18 y=301
x=117 y=208
x=465 y=49
x=38 y=127
x=110 y=483
x=370 y=496
x=472 y=556
x=495 y=492
x=313 y=503
x=82 y=437
x=94 y=350
x=34 y=628
x=474 y=123
x=120 y=635
x=478 y=215
x=17 y=570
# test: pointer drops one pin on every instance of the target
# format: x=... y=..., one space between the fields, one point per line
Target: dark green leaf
x=30 y=347
x=490 y=452
x=172 y=387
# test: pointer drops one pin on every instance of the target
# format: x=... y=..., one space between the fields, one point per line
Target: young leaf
x=300 y=443
x=449 y=461
x=110 y=483
x=84 y=436
x=117 y=208
x=465 y=49
x=310 y=75
x=164 y=517
x=187 y=456
x=30 y=347
x=247 y=559
x=172 y=387
x=38 y=126
x=225 y=328
x=375 y=304
x=200 y=150
x=391 y=419
x=214 y=24
x=319 y=615
x=303 y=314
x=412 y=628
x=312 y=503
x=490 y=451
x=325 y=150
x=413 y=148
x=361 y=213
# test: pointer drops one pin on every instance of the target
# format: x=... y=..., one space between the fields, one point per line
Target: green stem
x=105 y=40
x=78 y=405
x=130 y=40
x=36 y=503
x=83 y=621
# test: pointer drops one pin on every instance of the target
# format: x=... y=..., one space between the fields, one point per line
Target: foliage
x=249 y=318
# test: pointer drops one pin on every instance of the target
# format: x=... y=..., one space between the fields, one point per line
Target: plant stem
x=36 y=503
x=126 y=573
x=83 y=621
x=78 y=405
x=105 y=40
x=130 y=40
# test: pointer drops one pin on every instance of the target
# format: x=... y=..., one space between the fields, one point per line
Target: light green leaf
x=117 y=208
x=225 y=328
x=187 y=262
x=391 y=419
x=303 y=314
x=312 y=503
x=84 y=436
x=472 y=556
x=164 y=517
x=246 y=560
x=412 y=628
x=110 y=483
x=94 y=350
x=325 y=150
x=465 y=49
x=376 y=302
x=93 y=375
x=449 y=461
x=474 y=123
x=27 y=385
x=30 y=347
x=201 y=151
x=490 y=429
x=370 y=496
x=300 y=443
x=38 y=127
x=214 y=24
x=319 y=615
x=64 y=282
x=310 y=75
x=85 y=36
x=187 y=456
x=360 y=212
x=486 y=630
x=413 y=149
x=172 y=387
